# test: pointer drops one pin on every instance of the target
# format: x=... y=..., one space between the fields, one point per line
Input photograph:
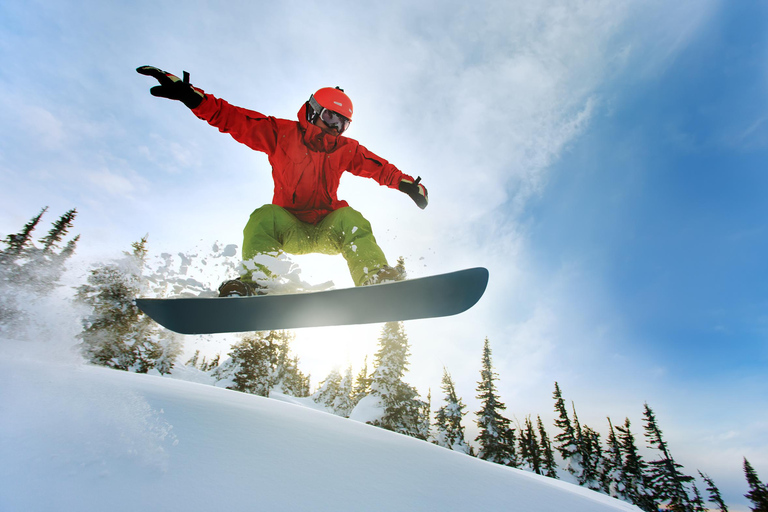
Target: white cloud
x=111 y=183
x=43 y=127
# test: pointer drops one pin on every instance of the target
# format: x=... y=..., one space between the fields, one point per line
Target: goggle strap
x=315 y=105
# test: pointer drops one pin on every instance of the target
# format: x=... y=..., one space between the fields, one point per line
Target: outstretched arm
x=369 y=165
x=251 y=128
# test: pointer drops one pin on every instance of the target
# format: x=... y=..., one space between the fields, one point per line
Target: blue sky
x=665 y=199
x=605 y=160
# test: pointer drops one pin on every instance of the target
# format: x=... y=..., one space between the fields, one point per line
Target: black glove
x=172 y=87
x=416 y=190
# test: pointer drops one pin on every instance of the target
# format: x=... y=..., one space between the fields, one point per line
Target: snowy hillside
x=85 y=438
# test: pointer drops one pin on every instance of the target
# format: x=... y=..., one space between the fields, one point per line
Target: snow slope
x=83 y=438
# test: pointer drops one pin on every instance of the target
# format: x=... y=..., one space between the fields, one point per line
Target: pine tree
x=633 y=472
x=170 y=349
x=398 y=402
x=251 y=365
x=344 y=403
x=449 y=430
x=549 y=466
x=714 y=493
x=494 y=427
x=362 y=383
x=335 y=392
x=285 y=377
x=29 y=273
x=328 y=391
x=665 y=475
x=584 y=463
x=213 y=364
x=530 y=454
x=697 y=502
x=18 y=243
x=758 y=491
x=194 y=359
x=299 y=382
x=567 y=441
x=262 y=362
x=591 y=455
x=116 y=333
x=425 y=425
x=45 y=265
x=58 y=231
x=610 y=474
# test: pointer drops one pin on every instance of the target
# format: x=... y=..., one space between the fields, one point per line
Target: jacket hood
x=314 y=137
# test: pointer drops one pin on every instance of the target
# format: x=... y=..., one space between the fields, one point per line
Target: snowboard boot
x=240 y=288
x=385 y=274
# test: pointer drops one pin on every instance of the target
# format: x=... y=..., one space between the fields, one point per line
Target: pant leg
x=346 y=231
x=272 y=230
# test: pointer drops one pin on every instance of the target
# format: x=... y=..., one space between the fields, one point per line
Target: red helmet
x=334 y=99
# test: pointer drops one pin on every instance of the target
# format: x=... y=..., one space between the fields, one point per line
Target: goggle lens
x=334 y=120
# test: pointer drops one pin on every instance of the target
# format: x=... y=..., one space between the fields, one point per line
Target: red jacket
x=307 y=163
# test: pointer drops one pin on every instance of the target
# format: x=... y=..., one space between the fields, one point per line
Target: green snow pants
x=272 y=230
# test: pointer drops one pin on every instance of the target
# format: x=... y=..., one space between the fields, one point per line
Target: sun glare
x=323 y=349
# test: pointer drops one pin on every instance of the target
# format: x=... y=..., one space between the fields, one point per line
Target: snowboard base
x=426 y=297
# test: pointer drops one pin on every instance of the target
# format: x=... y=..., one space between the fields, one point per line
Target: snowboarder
x=308 y=157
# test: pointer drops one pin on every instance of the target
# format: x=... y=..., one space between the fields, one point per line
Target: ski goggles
x=334 y=120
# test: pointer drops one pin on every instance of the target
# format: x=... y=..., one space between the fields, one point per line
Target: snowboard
x=425 y=297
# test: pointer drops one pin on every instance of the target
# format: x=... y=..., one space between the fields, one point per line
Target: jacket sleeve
x=255 y=130
x=369 y=165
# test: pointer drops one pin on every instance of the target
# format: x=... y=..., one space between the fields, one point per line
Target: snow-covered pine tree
x=28 y=272
x=362 y=383
x=590 y=455
x=496 y=444
x=170 y=349
x=579 y=447
x=449 y=432
x=425 y=427
x=567 y=443
x=286 y=377
x=549 y=466
x=714 y=493
x=335 y=392
x=665 y=476
x=758 y=491
x=329 y=389
x=610 y=468
x=398 y=403
x=213 y=364
x=250 y=365
x=530 y=454
x=261 y=362
x=343 y=405
x=193 y=361
x=116 y=333
x=634 y=481
x=294 y=382
x=46 y=265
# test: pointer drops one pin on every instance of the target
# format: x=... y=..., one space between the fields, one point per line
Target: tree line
x=116 y=334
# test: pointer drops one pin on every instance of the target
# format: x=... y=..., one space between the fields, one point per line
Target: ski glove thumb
x=416 y=190
x=173 y=87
